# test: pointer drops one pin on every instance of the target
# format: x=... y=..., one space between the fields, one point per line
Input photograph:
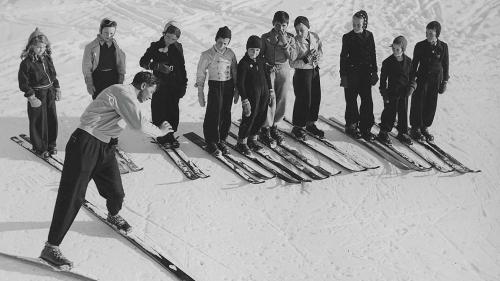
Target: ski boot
x=53 y=256
x=120 y=223
x=42 y=154
x=298 y=133
x=404 y=138
x=428 y=136
x=212 y=148
x=368 y=136
x=52 y=151
x=253 y=145
x=276 y=135
x=171 y=140
x=223 y=147
x=315 y=131
x=265 y=137
x=353 y=131
x=243 y=148
x=416 y=134
x=383 y=137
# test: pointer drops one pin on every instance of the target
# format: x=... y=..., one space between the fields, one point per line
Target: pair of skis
x=182 y=161
x=147 y=247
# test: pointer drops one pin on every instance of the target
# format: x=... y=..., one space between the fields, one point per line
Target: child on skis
x=358 y=73
x=254 y=87
x=305 y=58
x=395 y=88
x=166 y=58
x=37 y=79
x=220 y=62
x=430 y=70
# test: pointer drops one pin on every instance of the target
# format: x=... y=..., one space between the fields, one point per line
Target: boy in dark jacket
x=395 y=87
x=37 y=79
x=430 y=70
x=358 y=73
x=254 y=86
x=166 y=58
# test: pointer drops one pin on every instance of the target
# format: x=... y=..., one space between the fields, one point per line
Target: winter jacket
x=358 y=53
x=395 y=75
x=274 y=53
x=36 y=73
x=114 y=108
x=253 y=77
x=302 y=48
x=90 y=60
x=430 y=60
x=175 y=80
x=221 y=66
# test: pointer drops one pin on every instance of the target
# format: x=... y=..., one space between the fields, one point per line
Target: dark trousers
x=307 y=89
x=218 y=115
x=364 y=115
x=165 y=106
x=251 y=125
x=86 y=158
x=43 y=120
x=397 y=105
x=103 y=79
x=424 y=102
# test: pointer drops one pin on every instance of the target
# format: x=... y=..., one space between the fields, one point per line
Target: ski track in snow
x=383 y=224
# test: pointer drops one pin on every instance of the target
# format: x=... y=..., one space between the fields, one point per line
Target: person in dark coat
x=430 y=70
x=254 y=86
x=38 y=80
x=358 y=73
x=395 y=87
x=166 y=58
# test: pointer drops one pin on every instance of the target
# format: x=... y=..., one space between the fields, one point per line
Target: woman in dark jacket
x=166 y=58
x=37 y=79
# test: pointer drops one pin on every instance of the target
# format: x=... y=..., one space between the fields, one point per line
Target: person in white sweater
x=89 y=156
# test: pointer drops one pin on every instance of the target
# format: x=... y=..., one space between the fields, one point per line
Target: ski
x=133 y=167
x=381 y=150
x=251 y=170
x=427 y=159
x=55 y=157
x=346 y=160
x=451 y=158
x=149 y=250
x=185 y=169
x=190 y=163
x=306 y=160
x=196 y=139
x=38 y=262
x=296 y=178
x=51 y=161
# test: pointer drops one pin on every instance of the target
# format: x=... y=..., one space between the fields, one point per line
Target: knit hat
x=223 y=32
x=34 y=34
x=436 y=26
x=172 y=22
x=301 y=20
x=400 y=40
x=362 y=15
x=254 y=42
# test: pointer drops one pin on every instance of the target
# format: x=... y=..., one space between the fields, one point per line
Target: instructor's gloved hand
x=247 y=108
x=374 y=79
x=442 y=87
x=201 y=97
x=34 y=101
x=58 y=94
x=343 y=81
x=272 y=98
x=236 y=96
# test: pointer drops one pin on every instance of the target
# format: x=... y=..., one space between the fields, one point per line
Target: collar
x=102 y=41
x=219 y=51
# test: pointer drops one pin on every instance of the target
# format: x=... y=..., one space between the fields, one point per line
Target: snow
x=384 y=224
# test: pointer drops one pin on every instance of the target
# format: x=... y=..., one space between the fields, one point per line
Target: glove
x=90 y=89
x=165 y=128
x=344 y=82
x=34 y=101
x=161 y=67
x=236 y=96
x=247 y=108
x=385 y=95
x=442 y=87
x=58 y=94
x=374 y=79
x=201 y=97
x=272 y=98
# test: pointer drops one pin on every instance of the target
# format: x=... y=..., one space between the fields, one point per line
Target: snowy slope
x=385 y=224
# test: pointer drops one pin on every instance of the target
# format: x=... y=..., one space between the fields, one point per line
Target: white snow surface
x=385 y=224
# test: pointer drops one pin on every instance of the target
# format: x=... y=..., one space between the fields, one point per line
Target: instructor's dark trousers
x=43 y=120
x=307 y=89
x=86 y=158
x=218 y=115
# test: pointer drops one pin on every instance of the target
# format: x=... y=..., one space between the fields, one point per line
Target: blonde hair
x=35 y=38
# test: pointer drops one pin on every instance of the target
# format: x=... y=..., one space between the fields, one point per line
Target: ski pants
x=259 y=102
x=424 y=102
x=398 y=104
x=218 y=114
x=43 y=120
x=307 y=89
x=281 y=85
x=364 y=115
x=86 y=158
x=165 y=106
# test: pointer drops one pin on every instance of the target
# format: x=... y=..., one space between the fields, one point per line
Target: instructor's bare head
x=146 y=83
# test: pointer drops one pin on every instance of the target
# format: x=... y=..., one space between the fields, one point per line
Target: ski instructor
x=90 y=156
